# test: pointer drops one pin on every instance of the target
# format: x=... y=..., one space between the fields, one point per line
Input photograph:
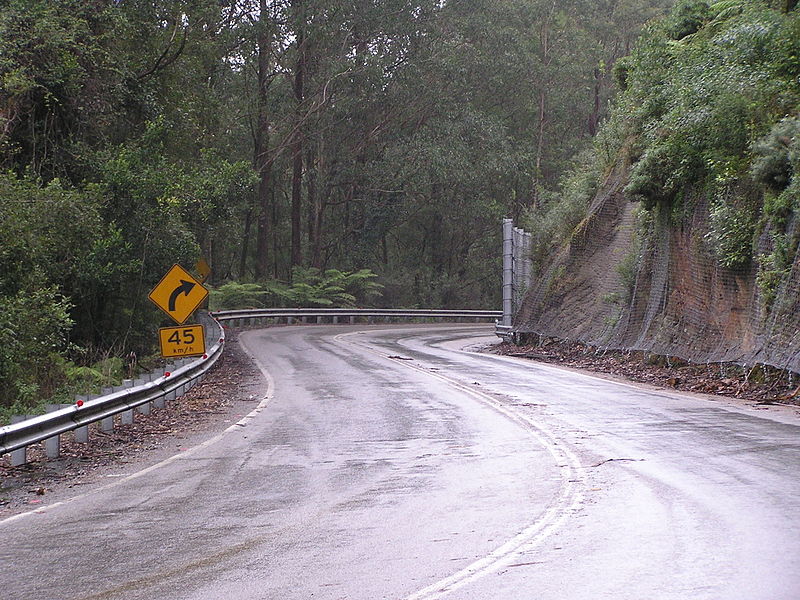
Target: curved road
x=386 y=463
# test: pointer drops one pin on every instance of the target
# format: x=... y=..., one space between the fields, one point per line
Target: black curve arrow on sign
x=184 y=288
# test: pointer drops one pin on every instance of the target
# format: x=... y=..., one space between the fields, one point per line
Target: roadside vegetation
x=709 y=107
x=314 y=153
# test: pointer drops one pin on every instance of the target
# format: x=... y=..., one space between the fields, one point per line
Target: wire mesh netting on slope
x=650 y=281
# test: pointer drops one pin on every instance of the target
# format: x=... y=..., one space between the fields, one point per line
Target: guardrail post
x=170 y=395
x=290 y=320
x=161 y=401
x=182 y=387
x=52 y=445
x=352 y=320
x=107 y=424
x=319 y=320
x=191 y=383
x=144 y=409
x=20 y=456
x=126 y=417
x=82 y=433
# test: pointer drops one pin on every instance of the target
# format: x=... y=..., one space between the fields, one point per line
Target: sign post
x=203 y=269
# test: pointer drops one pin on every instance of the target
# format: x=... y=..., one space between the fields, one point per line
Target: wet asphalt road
x=386 y=464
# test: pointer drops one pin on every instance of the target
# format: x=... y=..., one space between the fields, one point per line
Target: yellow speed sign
x=182 y=341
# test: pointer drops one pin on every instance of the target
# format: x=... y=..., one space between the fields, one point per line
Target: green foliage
x=706 y=98
x=234 y=295
x=360 y=284
x=777 y=155
x=309 y=288
x=561 y=214
x=57 y=259
x=731 y=231
x=82 y=379
x=34 y=323
x=59 y=79
x=687 y=17
x=773 y=268
x=699 y=116
x=663 y=171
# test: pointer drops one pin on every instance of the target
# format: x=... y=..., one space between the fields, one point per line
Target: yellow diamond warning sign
x=178 y=294
x=182 y=341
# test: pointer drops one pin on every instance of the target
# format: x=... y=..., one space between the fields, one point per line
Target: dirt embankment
x=649 y=281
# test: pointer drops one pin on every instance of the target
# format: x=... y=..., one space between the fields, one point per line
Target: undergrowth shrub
x=777 y=155
x=554 y=222
x=732 y=227
x=309 y=288
x=34 y=324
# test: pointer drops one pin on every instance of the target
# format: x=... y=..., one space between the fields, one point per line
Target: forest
x=314 y=152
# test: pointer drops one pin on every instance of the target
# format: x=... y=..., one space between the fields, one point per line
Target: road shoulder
x=232 y=389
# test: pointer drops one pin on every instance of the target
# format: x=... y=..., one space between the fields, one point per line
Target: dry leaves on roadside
x=759 y=384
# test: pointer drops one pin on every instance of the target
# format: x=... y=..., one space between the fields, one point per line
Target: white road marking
x=236 y=426
x=573 y=479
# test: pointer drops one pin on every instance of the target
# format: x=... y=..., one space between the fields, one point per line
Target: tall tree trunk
x=262 y=161
x=540 y=138
x=311 y=200
x=276 y=268
x=316 y=204
x=297 y=182
x=544 y=45
x=297 y=142
x=316 y=250
x=248 y=220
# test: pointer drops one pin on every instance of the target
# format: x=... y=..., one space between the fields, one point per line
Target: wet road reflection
x=387 y=463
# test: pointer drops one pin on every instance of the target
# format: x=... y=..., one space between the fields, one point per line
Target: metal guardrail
x=81 y=414
x=30 y=431
x=354 y=313
x=504 y=331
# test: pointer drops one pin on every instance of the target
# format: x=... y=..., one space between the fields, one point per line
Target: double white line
x=566 y=503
